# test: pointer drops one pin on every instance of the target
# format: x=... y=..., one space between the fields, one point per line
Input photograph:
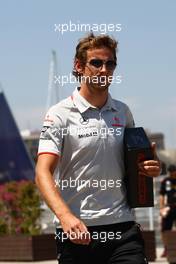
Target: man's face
x=98 y=70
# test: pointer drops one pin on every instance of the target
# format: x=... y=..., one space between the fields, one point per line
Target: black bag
x=137 y=148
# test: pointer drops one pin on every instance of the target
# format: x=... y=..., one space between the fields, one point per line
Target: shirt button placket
x=102 y=127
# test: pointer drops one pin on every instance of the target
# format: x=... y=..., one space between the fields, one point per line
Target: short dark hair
x=171 y=168
x=93 y=42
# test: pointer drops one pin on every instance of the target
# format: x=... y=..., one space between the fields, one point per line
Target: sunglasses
x=98 y=63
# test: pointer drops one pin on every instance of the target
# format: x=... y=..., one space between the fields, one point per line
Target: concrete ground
x=158 y=260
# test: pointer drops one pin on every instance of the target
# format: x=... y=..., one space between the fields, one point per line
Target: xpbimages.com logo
x=102 y=28
x=102 y=80
x=82 y=183
x=101 y=236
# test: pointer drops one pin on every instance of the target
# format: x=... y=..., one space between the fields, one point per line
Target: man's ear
x=78 y=67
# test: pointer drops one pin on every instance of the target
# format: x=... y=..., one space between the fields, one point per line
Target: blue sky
x=146 y=58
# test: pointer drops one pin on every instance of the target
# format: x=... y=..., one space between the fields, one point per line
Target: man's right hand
x=75 y=228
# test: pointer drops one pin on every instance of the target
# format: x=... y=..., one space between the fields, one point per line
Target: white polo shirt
x=90 y=171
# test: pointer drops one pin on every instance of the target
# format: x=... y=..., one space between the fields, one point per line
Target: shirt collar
x=110 y=104
x=83 y=105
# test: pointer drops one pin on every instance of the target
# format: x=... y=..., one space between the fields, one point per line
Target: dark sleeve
x=162 y=188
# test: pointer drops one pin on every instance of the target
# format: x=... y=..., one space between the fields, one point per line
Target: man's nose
x=103 y=68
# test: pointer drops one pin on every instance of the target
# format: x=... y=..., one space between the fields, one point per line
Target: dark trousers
x=168 y=221
x=125 y=247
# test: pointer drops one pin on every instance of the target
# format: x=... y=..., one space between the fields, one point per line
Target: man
x=168 y=203
x=82 y=145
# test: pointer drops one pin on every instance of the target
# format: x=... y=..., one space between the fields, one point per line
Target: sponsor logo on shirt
x=116 y=122
x=84 y=120
x=48 y=119
x=90 y=134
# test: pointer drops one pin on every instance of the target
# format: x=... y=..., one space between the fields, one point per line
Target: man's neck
x=96 y=98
